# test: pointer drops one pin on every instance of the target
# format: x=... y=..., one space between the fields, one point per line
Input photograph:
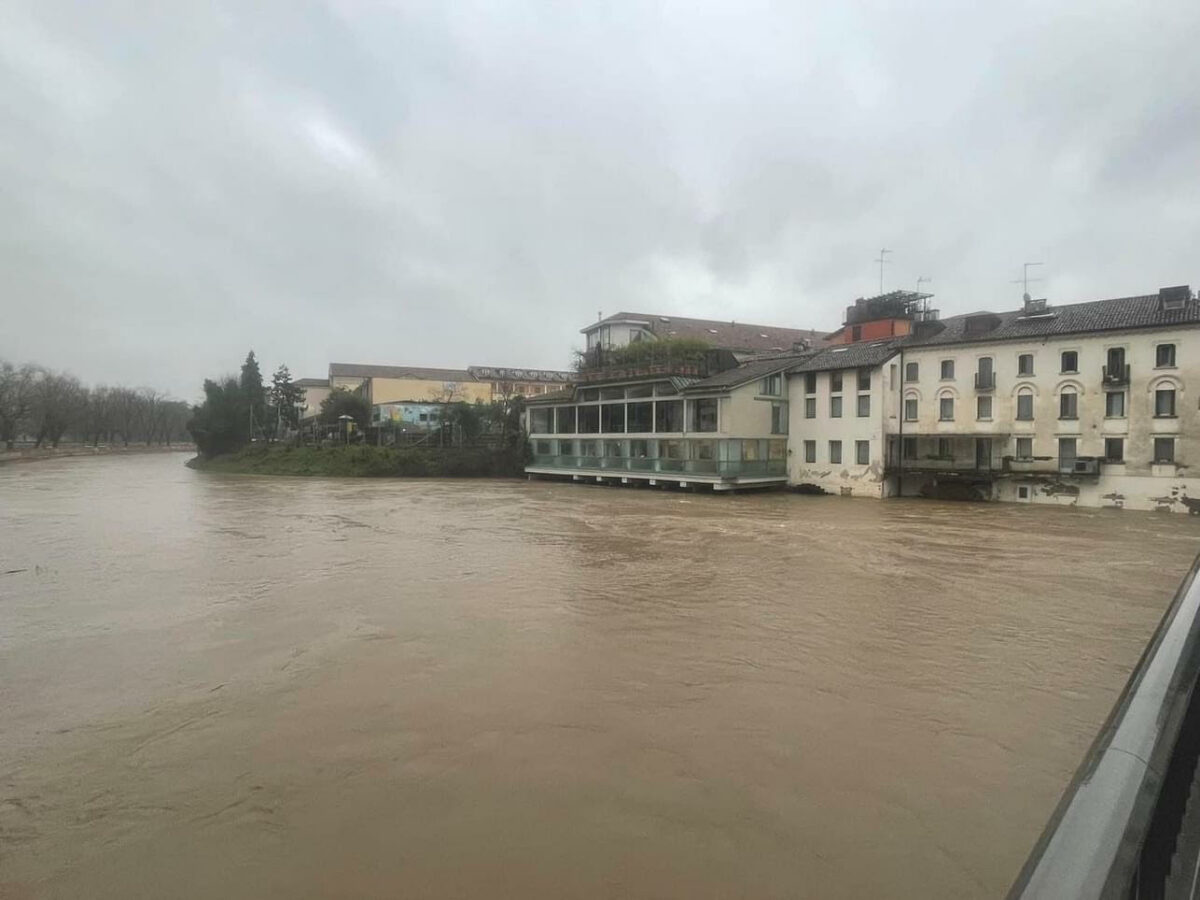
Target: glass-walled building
x=728 y=431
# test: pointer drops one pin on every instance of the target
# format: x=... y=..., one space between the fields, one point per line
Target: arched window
x=1025 y=405
x=1068 y=403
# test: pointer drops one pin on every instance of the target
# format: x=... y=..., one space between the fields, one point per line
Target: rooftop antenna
x=882 y=259
x=922 y=279
x=1025 y=280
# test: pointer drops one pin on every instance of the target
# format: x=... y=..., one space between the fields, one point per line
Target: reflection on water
x=242 y=687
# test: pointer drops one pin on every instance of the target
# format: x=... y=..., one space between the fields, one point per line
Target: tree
x=16 y=397
x=218 y=425
x=56 y=401
x=254 y=395
x=97 y=415
x=342 y=402
x=285 y=397
x=450 y=392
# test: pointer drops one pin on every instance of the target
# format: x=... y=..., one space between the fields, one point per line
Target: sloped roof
x=849 y=356
x=750 y=371
x=1075 y=318
x=727 y=335
x=354 y=370
x=311 y=382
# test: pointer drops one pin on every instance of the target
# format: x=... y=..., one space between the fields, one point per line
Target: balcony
x=1114 y=376
x=985 y=381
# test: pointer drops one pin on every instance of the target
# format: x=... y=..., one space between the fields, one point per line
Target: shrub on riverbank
x=369 y=462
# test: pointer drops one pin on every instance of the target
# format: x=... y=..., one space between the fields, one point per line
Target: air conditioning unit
x=1085 y=467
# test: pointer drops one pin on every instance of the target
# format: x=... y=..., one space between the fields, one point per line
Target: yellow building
x=418 y=384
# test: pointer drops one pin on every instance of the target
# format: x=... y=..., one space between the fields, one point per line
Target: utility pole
x=882 y=259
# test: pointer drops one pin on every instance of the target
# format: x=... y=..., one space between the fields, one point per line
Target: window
x=862 y=453
x=1070 y=361
x=668 y=416
x=1025 y=364
x=1116 y=363
x=589 y=394
x=779 y=419
x=864 y=405
x=1114 y=450
x=946 y=409
x=640 y=390
x=835 y=451
x=983 y=407
x=810 y=407
x=541 y=421
x=1068 y=404
x=704 y=415
x=612 y=393
x=1025 y=406
x=612 y=418
x=1067 y=450
x=835 y=407
x=835 y=381
x=864 y=379
x=810 y=382
x=640 y=418
x=855 y=333
x=564 y=420
x=910 y=409
x=702 y=449
x=589 y=419
x=1164 y=450
x=909 y=448
x=670 y=449
x=542 y=448
x=1164 y=356
x=947 y=370
x=1025 y=448
x=911 y=371
x=945 y=449
x=1164 y=403
x=770 y=385
x=810 y=451
x=1114 y=404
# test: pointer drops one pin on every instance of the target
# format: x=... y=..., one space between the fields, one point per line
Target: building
x=652 y=404
x=740 y=338
x=419 y=384
x=1086 y=403
x=315 y=391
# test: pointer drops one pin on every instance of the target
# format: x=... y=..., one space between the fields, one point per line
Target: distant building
x=315 y=392
x=417 y=384
x=626 y=328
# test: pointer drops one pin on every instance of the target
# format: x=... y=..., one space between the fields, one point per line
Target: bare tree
x=56 y=401
x=16 y=398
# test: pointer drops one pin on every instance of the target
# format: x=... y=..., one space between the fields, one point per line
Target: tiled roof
x=849 y=356
x=506 y=373
x=750 y=371
x=1098 y=315
x=728 y=335
x=311 y=382
x=353 y=370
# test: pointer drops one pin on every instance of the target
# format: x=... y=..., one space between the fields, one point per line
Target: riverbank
x=368 y=462
x=35 y=454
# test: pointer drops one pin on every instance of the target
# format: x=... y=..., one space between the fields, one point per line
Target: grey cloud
x=470 y=183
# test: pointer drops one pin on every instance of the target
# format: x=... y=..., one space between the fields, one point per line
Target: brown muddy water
x=216 y=686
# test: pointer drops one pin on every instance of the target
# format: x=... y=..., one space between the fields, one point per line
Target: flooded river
x=214 y=686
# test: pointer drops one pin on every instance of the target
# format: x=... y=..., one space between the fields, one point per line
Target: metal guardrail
x=724 y=468
x=1114 y=832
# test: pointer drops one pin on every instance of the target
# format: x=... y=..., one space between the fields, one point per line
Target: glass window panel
x=1025 y=405
x=1114 y=404
x=612 y=418
x=835 y=451
x=1164 y=403
x=864 y=405
x=983 y=407
x=910 y=409
x=669 y=416
x=1164 y=355
x=862 y=452
x=704 y=414
x=1164 y=450
x=640 y=418
x=911 y=371
x=810 y=451
x=589 y=419
x=835 y=407
x=1070 y=361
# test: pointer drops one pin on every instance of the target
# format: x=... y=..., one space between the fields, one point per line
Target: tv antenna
x=1025 y=280
x=882 y=259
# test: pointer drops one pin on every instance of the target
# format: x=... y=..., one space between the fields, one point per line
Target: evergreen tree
x=284 y=397
x=219 y=424
x=254 y=395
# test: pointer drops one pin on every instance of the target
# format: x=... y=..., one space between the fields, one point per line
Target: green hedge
x=369 y=462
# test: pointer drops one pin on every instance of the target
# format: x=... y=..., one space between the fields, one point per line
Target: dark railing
x=985 y=381
x=1117 y=829
x=749 y=468
x=1116 y=374
x=1051 y=465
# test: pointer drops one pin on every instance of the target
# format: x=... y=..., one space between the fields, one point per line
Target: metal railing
x=1115 y=831
x=1116 y=374
x=751 y=468
x=985 y=381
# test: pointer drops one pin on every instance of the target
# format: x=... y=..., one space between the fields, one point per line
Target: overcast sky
x=457 y=183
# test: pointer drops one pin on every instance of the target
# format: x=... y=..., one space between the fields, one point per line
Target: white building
x=1086 y=403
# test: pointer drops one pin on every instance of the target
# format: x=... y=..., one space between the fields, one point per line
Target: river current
x=222 y=686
